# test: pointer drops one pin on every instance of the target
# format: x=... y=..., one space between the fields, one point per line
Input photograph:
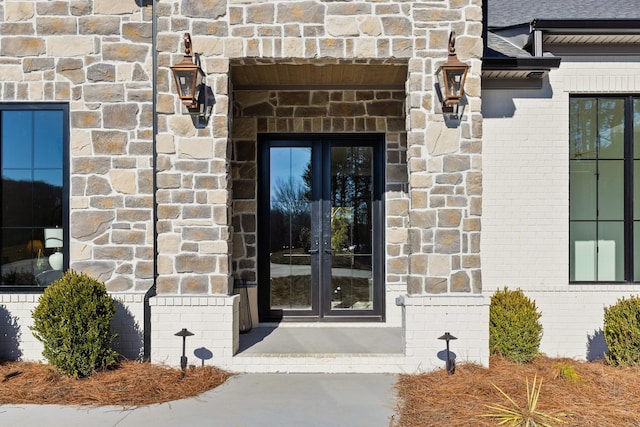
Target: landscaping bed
x=598 y=395
x=129 y=384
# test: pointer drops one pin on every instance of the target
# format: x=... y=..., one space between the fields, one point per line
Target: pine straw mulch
x=602 y=396
x=129 y=385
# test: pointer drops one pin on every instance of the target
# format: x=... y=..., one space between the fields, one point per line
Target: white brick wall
x=128 y=323
x=429 y=317
x=212 y=319
x=17 y=340
x=525 y=223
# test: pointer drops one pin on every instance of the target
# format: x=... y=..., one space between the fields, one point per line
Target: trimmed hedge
x=72 y=320
x=622 y=332
x=514 y=328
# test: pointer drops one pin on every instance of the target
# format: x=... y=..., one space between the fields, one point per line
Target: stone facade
x=75 y=52
x=200 y=233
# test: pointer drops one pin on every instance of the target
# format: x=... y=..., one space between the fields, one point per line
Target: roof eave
x=587 y=26
x=545 y=64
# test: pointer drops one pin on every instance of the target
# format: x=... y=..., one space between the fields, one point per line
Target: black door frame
x=321 y=301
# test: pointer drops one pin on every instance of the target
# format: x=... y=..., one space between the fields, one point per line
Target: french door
x=320 y=249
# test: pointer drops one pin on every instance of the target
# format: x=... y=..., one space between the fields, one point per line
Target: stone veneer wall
x=435 y=249
x=96 y=56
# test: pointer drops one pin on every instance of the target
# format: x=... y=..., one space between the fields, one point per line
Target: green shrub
x=567 y=372
x=622 y=332
x=72 y=321
x=514 y=327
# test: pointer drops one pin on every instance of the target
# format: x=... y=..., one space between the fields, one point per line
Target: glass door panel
x=290 y=229
x=351 y=228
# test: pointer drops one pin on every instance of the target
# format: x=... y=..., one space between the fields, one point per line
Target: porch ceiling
x=312 y=76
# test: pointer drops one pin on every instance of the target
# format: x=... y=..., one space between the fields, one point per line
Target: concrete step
x=318 y=349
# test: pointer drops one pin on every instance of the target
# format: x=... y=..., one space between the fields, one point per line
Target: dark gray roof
x=504 y=13
x=503 y=47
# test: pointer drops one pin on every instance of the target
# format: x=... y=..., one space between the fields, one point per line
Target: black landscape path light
x=451 y=364
x=183 y=359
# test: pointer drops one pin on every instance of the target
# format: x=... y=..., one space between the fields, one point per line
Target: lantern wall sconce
x=451 y=78
x=195 y=95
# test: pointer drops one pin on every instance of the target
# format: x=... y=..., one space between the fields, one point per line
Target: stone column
x=444 y=161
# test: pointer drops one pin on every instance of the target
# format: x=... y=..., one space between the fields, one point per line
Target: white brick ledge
x=443 y=300
x=13 y=298
x=192 y=301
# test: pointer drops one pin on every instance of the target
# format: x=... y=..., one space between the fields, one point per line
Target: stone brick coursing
x=433 y=178
x=97 y=56
x=77 y=51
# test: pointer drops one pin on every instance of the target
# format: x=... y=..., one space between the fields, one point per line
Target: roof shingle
x=505 y=13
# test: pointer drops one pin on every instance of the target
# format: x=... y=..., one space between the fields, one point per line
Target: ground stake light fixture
x=184 y=333
x=195 y=95
x=451 y=363
x=451 y=78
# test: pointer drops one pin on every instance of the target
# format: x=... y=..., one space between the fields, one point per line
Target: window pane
x=21 y=251
x=17 y=197
x=583 y=185
x=582 y=128
x=582 y=251
x=636 y=128
x=611 y=189
x=636 y=191
x=17 y=137
x=610 y=251
x=611 y=128
x=47 y=198
x=48 y=134
x=636 y=251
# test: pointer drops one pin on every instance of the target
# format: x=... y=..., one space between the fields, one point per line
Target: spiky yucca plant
x=528 y=416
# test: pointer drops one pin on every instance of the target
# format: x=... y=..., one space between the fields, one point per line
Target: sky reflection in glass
x=32 y=146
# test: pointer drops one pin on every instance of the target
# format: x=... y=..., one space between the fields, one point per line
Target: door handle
x=328 y=251
x=316 y=250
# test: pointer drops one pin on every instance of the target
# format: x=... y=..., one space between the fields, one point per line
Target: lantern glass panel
x=188 y=80
x=454 y=78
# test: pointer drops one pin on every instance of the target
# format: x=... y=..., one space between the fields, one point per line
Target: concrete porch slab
x=282 y=340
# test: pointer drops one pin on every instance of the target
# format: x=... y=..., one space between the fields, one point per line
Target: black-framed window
x=604 y=188
x=34 y=141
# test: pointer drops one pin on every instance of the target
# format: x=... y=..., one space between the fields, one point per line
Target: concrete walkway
x=247 y=400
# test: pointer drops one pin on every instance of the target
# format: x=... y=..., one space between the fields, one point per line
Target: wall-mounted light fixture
x=451 y=77
x=195 y=95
